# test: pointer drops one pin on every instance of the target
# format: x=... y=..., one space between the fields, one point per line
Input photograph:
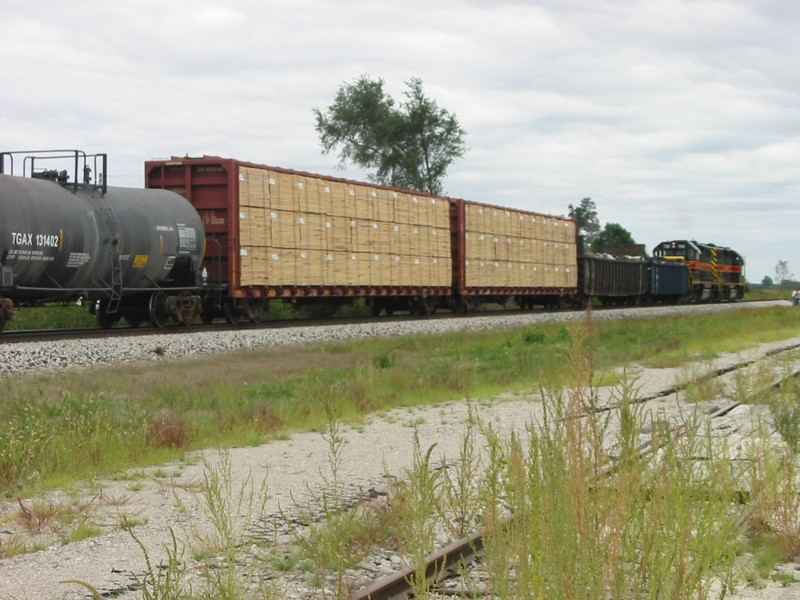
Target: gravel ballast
x=68 y=354
x=294 y=469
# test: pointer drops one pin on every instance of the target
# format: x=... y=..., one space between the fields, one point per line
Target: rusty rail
x=440 y=564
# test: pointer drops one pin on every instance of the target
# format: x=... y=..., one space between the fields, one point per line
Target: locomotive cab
x=715 y=272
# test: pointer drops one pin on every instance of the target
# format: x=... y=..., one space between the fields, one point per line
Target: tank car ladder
x=115 y=291
x=115 y=297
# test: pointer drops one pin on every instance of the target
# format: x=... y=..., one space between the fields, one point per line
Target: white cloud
x=680 y=118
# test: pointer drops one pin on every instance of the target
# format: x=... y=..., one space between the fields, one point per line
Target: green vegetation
x=73 y=316
x=63 y=427
x=652 y=527
x=68 y=316
x=759 y=293
x=556 y=521
x=409 y=144
x=596 y=239
x=636 y=532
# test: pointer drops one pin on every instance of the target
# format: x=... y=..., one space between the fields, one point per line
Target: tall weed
x=460 y=506
x=336 y=530
x=784 y=406
x=415 y=513
x=232 y=508
x=775 y=475
x=654 y=526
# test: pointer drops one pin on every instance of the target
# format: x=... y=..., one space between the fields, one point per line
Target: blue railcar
x=669 y=281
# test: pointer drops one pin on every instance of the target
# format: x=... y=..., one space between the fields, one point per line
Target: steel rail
x=439 y=565
x=13 y=336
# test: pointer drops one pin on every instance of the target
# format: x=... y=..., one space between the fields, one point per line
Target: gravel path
x=294 y=470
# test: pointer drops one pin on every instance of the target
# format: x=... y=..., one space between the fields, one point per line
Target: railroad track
x=449 y=561
x=20 y=336
x=446 y=559
x=14 y=336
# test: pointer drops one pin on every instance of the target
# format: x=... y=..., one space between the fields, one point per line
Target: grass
x=556 y=523
x=670 y=524
x=40 y=523
x=67 y=316
x=770 y=294
x=66 y=427
x=73 y=316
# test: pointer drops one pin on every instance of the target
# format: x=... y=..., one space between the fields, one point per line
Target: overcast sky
x=680 y=119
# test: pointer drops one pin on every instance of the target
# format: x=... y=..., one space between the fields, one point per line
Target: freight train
x=220 y=238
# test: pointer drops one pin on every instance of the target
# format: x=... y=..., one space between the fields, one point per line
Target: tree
x=767 y=282
x=783 y=274
x=613 y=233
x=409 y=145
x=586 y=216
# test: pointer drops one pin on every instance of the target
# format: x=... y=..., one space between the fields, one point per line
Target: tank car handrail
x=3 y=155
x=61 y=153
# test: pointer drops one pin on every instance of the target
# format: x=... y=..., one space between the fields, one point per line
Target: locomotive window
x=677 y=250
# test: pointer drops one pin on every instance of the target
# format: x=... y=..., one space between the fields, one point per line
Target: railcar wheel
x=184 y=308
x=579 y=301
x=231 y=313
x=471 y=305
x=104 y=318
x=465 y=305
x=209 y=311
x=158 y=314
x=254 y=310
x=428 y=306
x=421 y=307
x=384 y=305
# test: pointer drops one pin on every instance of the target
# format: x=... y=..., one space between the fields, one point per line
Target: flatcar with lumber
x=278 y=233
